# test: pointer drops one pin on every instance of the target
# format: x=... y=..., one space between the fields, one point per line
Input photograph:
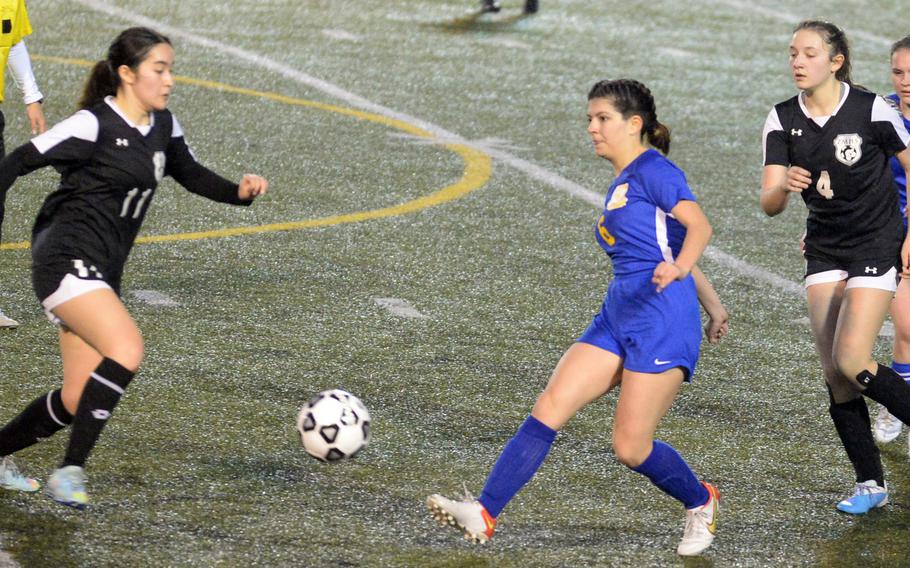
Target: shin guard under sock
x=102 y=393
x=517 y=464
x=669 y=471
x=41 y=419
x=889 y=389
x=851 y=420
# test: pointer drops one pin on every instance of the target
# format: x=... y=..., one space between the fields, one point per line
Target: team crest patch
x=158 y=159
x=848 y=148
x=618 y=199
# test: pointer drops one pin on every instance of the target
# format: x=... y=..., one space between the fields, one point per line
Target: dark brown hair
x=130 y=48
x=630 y=97
x=902 y=43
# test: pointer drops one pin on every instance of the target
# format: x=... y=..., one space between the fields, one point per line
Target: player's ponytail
x=101 y=83
x=659 y=137
x=837 y=44
x=630 y=97
x=130 y=48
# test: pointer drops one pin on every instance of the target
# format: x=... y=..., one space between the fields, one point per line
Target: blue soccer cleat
x=868 y=495
x=67 y=486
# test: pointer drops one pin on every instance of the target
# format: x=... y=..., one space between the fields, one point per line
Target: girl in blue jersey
x=887 y=426
x=645 y=337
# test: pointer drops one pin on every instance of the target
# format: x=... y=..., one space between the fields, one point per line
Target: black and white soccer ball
x=334 y=425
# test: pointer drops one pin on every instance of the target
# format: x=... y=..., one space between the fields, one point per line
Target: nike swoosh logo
x=659 y=362
x=712 y=528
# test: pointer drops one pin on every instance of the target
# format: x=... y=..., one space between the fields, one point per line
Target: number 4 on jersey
x=824 y=185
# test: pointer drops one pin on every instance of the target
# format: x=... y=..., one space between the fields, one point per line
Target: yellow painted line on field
x=477 y=169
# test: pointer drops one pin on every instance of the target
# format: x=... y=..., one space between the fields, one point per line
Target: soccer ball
x=334 y=425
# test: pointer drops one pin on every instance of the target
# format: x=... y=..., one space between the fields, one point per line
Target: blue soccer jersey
x=636 y=228
x=900 y=176
x=652 y=331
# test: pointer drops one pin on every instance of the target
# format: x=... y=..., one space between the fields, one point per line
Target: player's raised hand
x=252 y=186
x=665 y=274
x=797 y=179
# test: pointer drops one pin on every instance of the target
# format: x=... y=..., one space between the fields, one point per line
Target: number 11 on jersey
x=129 y=199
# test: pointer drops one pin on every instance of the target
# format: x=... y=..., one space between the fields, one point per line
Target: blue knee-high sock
x=667 y=470
x=517 y=464
x=902 y=369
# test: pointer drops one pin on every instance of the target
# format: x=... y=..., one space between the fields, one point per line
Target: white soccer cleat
x=468 y=515
x=6 y=321
x=701 y=525
x=887 y=426
x=67 y=486
x=12 y=478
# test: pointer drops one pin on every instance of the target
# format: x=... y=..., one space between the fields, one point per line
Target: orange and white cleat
x=701 y=525
x=468 y=515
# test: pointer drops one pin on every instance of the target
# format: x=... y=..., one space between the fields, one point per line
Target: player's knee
x=850 y=364
x=550 y=404
x=841 y=390
x=629 y=450
x=128 y=353
x=831 y=374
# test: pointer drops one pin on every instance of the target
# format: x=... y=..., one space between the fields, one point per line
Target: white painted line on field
x=484 y=144
x=754 y=272
x=531 y=170
x=154 y=298
x=341 y=35
x=399 y=307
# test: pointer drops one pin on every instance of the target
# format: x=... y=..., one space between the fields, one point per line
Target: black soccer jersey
x=852 y=200
x=109 y=169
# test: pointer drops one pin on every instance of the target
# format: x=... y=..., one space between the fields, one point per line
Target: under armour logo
x=123 y=142
x=796 y=132
x=101 y=414
x=873 y=270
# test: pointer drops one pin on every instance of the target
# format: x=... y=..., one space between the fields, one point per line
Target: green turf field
x=420 y=152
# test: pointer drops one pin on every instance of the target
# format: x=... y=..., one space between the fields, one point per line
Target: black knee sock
x=42 y=418
x=851 y=419
x=102 y=393
x=889 y=389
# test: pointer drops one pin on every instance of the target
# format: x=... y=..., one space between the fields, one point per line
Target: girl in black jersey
x=831 y=144
x=111 y=155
